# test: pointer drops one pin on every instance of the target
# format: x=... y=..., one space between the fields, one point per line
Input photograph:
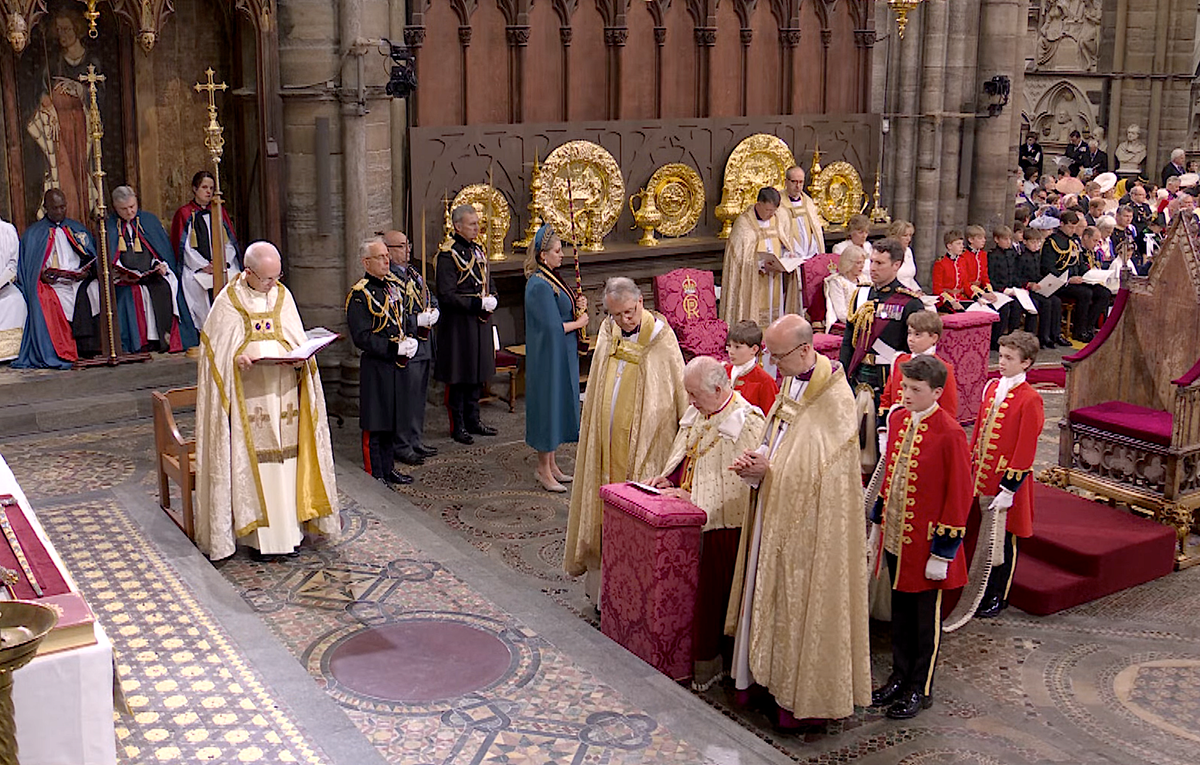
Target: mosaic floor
x=1115 y=681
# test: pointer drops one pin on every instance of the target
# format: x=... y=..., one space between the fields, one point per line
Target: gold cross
x=91 y=78
x=211 y=87
x=260 y=416
x=289 y=414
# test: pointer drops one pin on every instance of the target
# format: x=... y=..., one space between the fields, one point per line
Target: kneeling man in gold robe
x=798 y=611
x=754 y=286
x=264 y=463
x=716 y=429
x=631 y=410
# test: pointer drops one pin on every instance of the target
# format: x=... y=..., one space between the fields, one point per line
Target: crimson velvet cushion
x=1153 y=425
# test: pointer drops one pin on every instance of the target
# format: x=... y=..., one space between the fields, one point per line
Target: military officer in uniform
x=420 y=315
x=466 y=357
x=877 y=323
x=374 y=314
x=1062 y=255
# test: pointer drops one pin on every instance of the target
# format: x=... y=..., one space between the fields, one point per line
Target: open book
x=318 y=338
x=67 y=274
x=788 y=263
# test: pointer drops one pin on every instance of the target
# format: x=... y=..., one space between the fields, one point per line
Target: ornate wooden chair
x=1131 y=431
x=687 y=299
x=176 y=456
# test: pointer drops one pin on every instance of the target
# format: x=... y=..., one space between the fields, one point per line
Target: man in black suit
x=1175 y=166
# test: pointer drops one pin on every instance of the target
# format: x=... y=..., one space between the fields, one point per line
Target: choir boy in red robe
x=1003 y=447
x=953 y=274
x=924 y=330
x=919 y=519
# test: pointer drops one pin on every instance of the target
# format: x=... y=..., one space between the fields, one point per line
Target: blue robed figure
x=138 y=241
x=59 y=323
x=551 y=357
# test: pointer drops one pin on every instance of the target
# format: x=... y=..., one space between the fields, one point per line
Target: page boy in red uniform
x=924 y=331
x=920 y=519
x=1003 y=447
x=743 y=344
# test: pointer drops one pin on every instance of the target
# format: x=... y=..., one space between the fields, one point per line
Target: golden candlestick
x=447 y=225
x=535 y=212
x=879 y=214
x=902 y=8
x=214 y=140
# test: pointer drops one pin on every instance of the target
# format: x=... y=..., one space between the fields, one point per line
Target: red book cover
x=75 y=623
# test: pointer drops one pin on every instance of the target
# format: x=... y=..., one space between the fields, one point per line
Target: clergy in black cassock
x=466 y=357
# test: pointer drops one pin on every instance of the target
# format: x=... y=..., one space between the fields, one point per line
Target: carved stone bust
x=1131 y=151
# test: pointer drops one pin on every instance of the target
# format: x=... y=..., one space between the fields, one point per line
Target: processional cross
x=215 y=142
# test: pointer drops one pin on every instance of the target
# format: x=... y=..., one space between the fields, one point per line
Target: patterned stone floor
x=1115 y=681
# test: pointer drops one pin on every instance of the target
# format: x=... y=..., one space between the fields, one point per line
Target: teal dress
x=551 y=364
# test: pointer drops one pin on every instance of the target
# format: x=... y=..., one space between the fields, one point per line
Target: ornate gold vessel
x=758 y=161
x=494 y=216
x=646 y=217
x=838 y=193
x=581 y=178
x=678 y=194
x=535 y=215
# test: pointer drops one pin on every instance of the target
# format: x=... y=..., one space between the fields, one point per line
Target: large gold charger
x=838 y=192
x=679 y=195
x=759 y=160
x=581 y=177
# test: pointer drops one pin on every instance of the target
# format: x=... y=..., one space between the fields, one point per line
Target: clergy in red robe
x=191 y=240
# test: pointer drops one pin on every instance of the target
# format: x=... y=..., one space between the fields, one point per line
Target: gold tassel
x=121 y=244
x=192 y=241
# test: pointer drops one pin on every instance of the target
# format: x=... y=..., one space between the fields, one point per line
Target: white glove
x=883 y=442
x=873 y=541
x=407 y=347
x=427 y=318
x=1003 y=501
x=489 y=303
x=936 y=569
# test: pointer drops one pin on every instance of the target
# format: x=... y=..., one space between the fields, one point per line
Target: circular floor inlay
x=420 y=661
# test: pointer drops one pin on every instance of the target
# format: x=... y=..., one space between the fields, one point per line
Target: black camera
x=403 y=78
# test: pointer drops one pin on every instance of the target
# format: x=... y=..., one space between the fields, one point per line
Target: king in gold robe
x=748 y=291
x=631 y=410
x=264 y=462
x=798 y=611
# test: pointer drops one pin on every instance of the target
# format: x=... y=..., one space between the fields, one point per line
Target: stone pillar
x=936 y=18
x=962 y=87
x=1001 y=34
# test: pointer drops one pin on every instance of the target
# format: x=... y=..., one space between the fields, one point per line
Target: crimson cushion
x=1153 y=425
x=704 y=337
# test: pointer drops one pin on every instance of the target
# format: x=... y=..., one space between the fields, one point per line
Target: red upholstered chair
x=812 y=286
x=1131 y=431
x=688 y=300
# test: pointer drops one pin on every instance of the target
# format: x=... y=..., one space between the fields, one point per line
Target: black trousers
x=381 y=452
x=1048 y=322
x=413 y=385
x=1101 y=300
x=1000 y=580
x=916 y=633
x=161 y=304
x=1010 y=319
x=463 y=400
x=1082 y=295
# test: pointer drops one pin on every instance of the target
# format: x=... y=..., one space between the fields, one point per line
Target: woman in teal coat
x=551 y=357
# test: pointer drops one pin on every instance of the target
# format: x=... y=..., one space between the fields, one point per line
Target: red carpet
x=1083 y=550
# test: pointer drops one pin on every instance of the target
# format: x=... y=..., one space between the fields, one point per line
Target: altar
x=63 y=700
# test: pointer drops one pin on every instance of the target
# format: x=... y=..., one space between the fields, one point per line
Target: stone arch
x=1061 y=109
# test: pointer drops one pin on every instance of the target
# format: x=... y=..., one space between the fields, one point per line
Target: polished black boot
x=908 y=705
x=991 y=606
x=886 y=693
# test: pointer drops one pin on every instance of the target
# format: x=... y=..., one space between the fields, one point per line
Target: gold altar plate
x=679 y=196
x=597 y=192
x=838 y=192
x=491 y=206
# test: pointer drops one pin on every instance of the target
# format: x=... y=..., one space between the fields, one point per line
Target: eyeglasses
x=789 y=353
x=264 y=279
x=405 y=246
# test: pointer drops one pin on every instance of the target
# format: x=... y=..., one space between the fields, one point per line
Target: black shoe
x=262 y=557
x=1064 y=342
x=1046 y=343
x=480 y=429
x=991 y=606
x=908 y=705
x=426 y=451
x=411 y=458
x=399 y=478
x=462 y=437
x=887 y=692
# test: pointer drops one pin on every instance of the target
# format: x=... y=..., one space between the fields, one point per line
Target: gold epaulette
x=1050 y=241
x=907 y=291
x=359 y=286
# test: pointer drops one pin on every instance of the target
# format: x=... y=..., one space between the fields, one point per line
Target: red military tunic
x=933 y=487
x=756 y=386
x=891 y=391
x=1003 y=447
x=981 y=282
x=953 y=276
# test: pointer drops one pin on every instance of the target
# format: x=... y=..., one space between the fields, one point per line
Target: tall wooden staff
x=582 y=338
x=215 y=142
x=110 y=341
